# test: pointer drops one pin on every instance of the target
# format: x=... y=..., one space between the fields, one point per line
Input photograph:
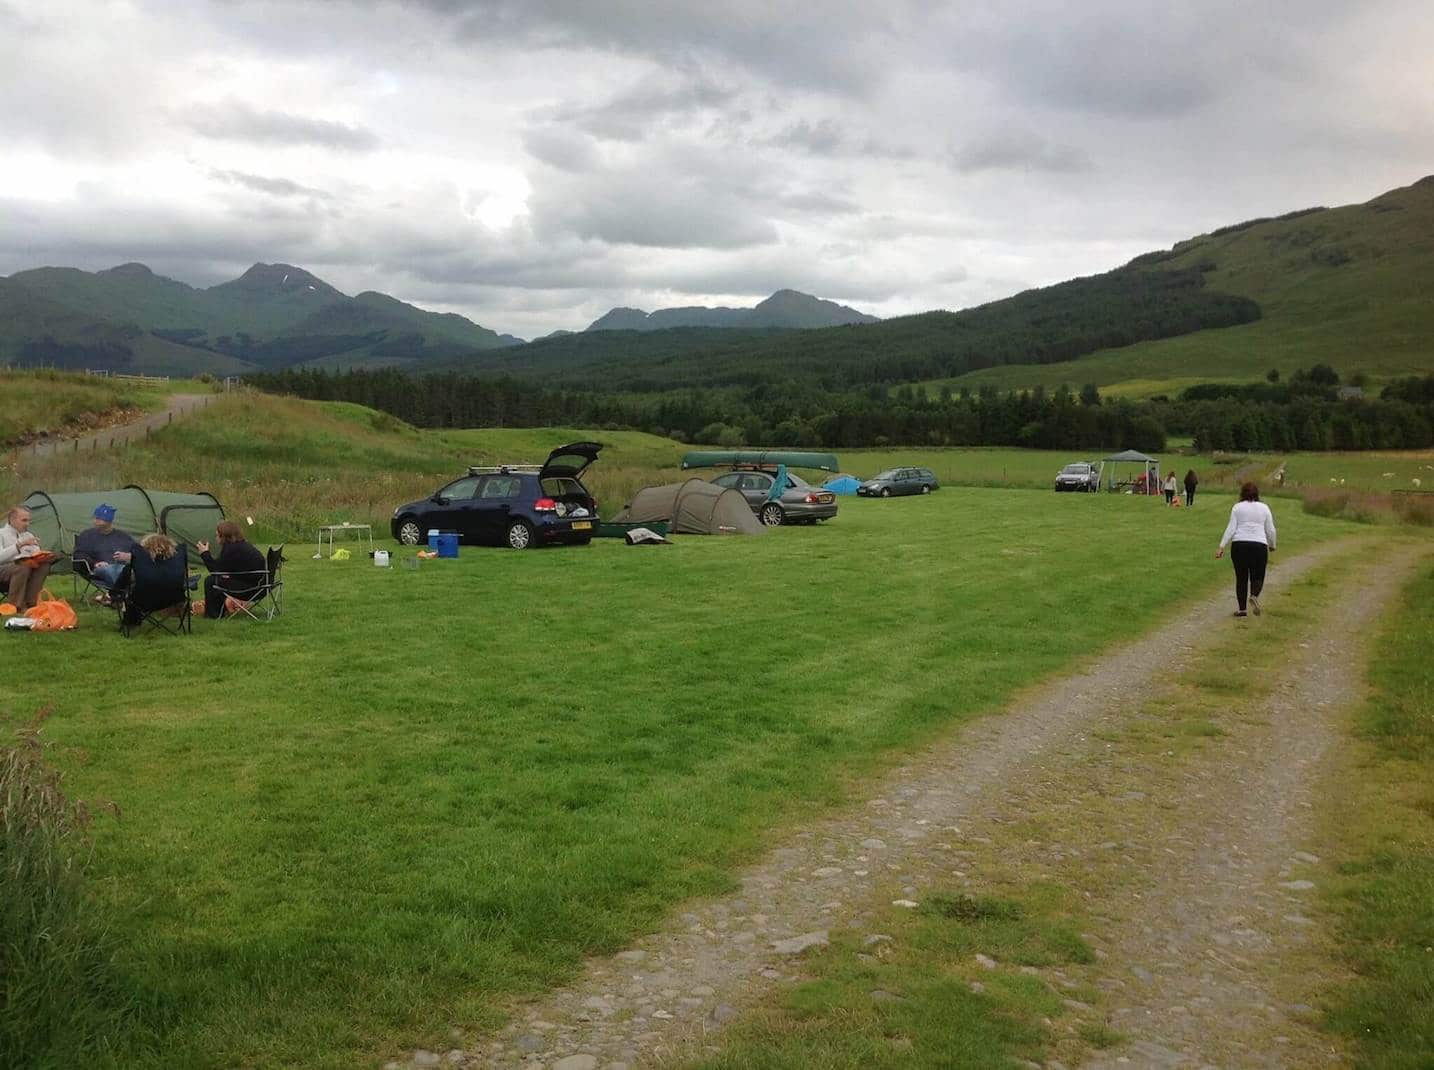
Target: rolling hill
x=1344 y=286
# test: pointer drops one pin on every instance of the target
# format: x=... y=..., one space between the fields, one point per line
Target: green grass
x=50 y=402
x=420 y=793
x=930 y=1016
x=1383 y=899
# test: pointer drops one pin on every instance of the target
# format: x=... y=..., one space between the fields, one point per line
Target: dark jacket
x=152 y=585
x=235 y=558
x=93 y=548
x=1191 y=482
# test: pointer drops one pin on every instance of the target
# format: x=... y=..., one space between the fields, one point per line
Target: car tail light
x=545 y=505
x=811 y=499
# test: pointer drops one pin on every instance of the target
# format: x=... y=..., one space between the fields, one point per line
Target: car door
x=756 y=488
x=449 y=505
x=906 y=482
x=492 y=512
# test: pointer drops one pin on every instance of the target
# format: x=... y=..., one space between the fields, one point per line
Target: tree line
x=802 y=415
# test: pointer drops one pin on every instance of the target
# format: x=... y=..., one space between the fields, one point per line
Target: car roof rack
x=502 y=469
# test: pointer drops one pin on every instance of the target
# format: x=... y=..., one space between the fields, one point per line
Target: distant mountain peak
x=279 y=278
x=133 y=269
x=785 y=308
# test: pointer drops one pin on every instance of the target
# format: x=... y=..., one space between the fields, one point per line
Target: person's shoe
x=1239 y=612
x=1255 y=604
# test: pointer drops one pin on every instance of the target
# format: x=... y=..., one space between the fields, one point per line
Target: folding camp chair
x=84 y=586
x=155 y=594
x=255 y=594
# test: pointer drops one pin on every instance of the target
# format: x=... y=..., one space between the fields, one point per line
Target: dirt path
x=1185 y=959
x=178 y=405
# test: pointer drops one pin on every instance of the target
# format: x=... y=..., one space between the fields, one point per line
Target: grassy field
x=420 y=793
x=1383 y=897
x=49 y=402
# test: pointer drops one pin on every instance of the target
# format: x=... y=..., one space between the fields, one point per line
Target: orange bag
x=52 y=614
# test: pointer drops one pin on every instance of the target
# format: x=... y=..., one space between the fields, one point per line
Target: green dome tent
x=57 y=518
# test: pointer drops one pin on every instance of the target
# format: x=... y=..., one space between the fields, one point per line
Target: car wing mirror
x=439 y=499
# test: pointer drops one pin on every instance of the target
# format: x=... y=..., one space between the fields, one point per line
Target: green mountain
x=785 y=308
x=274 y=315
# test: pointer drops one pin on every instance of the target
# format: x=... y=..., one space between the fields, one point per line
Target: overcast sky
x=532 y=163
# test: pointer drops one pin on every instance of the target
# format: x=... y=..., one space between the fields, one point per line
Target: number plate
x=582 y=525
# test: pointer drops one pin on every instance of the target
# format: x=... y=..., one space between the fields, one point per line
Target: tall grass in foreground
x=1385 y=899
x=56 y=994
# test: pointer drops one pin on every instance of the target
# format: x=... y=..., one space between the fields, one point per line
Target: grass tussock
x=57 y=996
x=1383 y=897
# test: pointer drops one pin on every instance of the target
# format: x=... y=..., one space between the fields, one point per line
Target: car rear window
x=564 y=487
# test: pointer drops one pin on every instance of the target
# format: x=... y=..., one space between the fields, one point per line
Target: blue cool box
x=447 y=544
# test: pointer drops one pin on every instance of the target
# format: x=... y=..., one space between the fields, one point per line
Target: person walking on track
x=1251 y=538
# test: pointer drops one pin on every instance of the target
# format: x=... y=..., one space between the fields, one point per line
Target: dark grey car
x=800 y=502
x=896 y=481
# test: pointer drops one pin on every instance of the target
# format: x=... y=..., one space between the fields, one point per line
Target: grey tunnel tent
x=57 y=518
x=1149 y=466
x=694 y=508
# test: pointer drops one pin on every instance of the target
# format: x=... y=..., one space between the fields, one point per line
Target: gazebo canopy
x=1131 y=455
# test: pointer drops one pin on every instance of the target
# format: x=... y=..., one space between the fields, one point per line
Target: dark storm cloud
x=275 y=187
x=1018 y=150
x=237 y=121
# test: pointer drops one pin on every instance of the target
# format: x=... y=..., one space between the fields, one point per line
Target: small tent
x=57 y=518
x=692 y=508
x=842 y=484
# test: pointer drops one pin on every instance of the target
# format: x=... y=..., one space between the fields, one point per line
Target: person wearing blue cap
x=103 y=551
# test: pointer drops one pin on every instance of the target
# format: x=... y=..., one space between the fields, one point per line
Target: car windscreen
x=1074 y=469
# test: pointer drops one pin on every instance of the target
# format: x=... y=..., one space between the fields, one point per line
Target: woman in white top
x=1251 y=537
x=1170 y=486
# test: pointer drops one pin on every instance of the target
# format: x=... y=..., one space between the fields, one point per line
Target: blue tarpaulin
x=842 y=484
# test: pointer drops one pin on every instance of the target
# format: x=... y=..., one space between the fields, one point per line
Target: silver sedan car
x=799 y=503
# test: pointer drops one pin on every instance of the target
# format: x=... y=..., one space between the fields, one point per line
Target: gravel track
x=1197 y=882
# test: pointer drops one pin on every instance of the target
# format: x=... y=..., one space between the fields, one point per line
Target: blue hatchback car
x=512 y=505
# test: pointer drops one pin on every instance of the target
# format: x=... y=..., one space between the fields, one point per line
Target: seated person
x=239 y=571
x=154 y=578
x=23 y=565
x=98 y=551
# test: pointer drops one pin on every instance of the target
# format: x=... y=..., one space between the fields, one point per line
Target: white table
x=358 y=531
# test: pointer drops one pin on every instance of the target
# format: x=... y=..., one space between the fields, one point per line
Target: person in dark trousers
x=1191 y=482
x=101 y=551
x=239 y=569
x=1251 y=538
x=1170 y=486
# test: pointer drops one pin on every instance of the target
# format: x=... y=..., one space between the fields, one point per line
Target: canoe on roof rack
x=825 y=462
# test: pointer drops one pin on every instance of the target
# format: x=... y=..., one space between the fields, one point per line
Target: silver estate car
x=899 y=481
x=1081 y=476
x=800 y=502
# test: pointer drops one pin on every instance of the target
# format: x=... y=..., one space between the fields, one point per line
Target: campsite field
x=419 y=794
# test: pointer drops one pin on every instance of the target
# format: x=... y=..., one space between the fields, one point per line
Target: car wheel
x=409 y=533
x=520 y=535
x=771 y=515
x=925 y=488
x=886 y=492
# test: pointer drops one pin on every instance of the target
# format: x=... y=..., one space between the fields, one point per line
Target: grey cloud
x=236 y=121
x=1014 y=149
x=563 y=149
x=276 y=187
x=831 y=138
x=631 y=114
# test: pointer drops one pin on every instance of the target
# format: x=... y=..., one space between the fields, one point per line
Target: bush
x=57 y=1001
